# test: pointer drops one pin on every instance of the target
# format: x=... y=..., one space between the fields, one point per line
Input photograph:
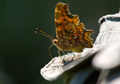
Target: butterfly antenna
x=43 y=33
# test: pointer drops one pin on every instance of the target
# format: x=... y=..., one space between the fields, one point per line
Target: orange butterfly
x=71 y=34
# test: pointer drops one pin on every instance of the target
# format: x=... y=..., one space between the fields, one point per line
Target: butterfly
x=71 y=35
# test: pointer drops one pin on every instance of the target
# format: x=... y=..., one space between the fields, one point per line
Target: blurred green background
x=22 y=52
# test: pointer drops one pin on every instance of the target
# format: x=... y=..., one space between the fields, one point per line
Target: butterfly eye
x=55 y=41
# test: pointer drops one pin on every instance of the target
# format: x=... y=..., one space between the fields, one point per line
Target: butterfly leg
x=63 y=52
x=60 y=56
x=74 y=55
x=49 y=50
x=59 y=53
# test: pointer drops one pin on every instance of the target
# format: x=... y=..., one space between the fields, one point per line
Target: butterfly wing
x=70 y=33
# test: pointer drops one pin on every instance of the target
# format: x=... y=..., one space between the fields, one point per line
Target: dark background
x=22 y=52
